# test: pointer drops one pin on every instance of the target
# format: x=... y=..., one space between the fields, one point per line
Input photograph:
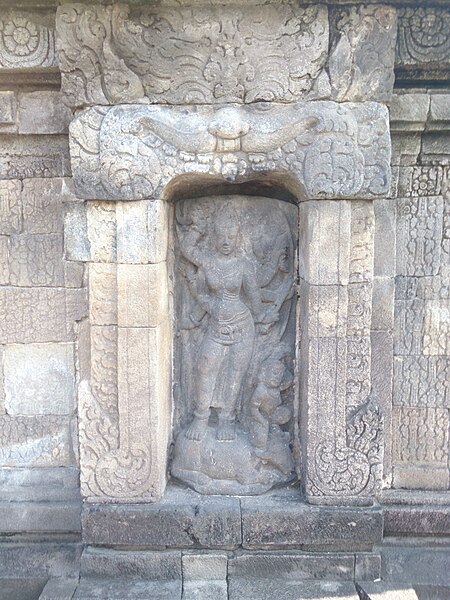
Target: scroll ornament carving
x=132 y=152
x=25 y=42
x=423 y=35
x=185 y=55
x=351 y=469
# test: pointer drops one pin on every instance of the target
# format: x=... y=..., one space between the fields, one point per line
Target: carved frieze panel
x=184 y=54
x=133 y=152
x=234 y=361
x=26 y=40
x=423 y=36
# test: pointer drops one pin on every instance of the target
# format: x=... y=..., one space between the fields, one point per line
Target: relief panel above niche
x=235 y=300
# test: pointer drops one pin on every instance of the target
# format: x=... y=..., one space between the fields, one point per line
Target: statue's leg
x=205 y=373
x=239 y=358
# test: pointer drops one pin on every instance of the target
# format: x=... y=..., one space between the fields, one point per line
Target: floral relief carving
x=423 y=35
x=25 y=42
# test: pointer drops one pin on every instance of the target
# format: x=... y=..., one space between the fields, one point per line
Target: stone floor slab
x=270 y=589
x=385 y=591
x=59 y=588
x=205 y=590
x=121 y=589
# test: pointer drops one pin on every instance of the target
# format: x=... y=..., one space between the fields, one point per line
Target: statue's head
x=226 y=230
x=273 y=372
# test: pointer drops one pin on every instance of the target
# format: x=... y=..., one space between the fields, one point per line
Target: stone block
x=198 y=590
x=76 y=241
x=103 y=293
x=367 y=567
x=43 y=112
x=421 y=478
x=324 y=309
x=41 y=559
x=142 y=295
x=280 y=63
x=439 y=111
x=284 y=520
x=39 y=484
x=8 y=112
x=40 y=315
x=138 y=564
x=435 y=147
x=59 y=588
x=422 y=181
x=40 y=517
x=324 y=242
x=36 y=260
x=34 y=156
x=182 y=519
x=39 y=379
x=10 y=207
x=142 y=231
x=204 y=567
x=4 y=260
x=406 y=148
x=432 y=592
x=101 y=231
x=73 y=275
x=41 y=441
x=409 y=111
x=383 y=591
x=42 y=200
x=21 y=588
x=29 y=39
x=420 y=41
x=241 y=588
x=2 y=381
x=383 y=304
x=384 y=238
x=95 y=588
x=293 y=566
x=422 y=520
x=429 y=565
x=436 y=328
x=361 y=64
x=421 y=381
x=419 y=235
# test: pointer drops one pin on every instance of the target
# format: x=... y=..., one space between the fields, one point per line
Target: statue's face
x=226 y=238
x=275 y=375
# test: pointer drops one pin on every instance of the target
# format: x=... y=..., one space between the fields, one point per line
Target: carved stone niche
x=235 y=300
x=131 y=163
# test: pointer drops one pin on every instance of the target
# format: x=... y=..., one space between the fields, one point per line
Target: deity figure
x=227 y=347
x=235 y=345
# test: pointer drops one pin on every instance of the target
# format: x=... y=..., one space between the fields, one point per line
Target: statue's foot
x=196 y=429
x=226 y=431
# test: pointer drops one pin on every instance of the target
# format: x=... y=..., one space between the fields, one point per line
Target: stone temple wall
x=75 y=255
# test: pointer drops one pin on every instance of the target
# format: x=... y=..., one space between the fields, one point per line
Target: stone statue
x=233 y=303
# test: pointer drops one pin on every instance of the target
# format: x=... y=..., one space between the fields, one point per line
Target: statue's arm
x=188 y=245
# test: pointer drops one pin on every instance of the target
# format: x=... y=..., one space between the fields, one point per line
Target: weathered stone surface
x=76 y=242
x=283 y=520
x=59 y=588
x=104 y=563
x=4 y=260
x=266 y=589
x=421 y=381
x=384 y=238
x=367 y=567
x=423 y=35
x=34 y=156
x=26 y=39
x=297 y=567
x=180 y=520
x=40 y=517
x=101 y=231
x=422 y=181
x=22 y=589
x=204 y=567
x=43 y=112
x=2 y=381
x=236 y=142
x=383 y=304
x=142 y=292
x=429 y=565
x=39 y=379
x=42 y=201
x=116 y=589
x=409 y=111
x=253 y=53
x=39 y=484
x=384 y=591
x=419 y=235
x=40 y=315
x=197 y=590
x=10 y=207
x=103 y=294
x=416 y=520
x=142 y=232
x=423 y=477
x=36 y=260
x=439 y=111
x=406 y=148
x=435 y=148
x=361 y=64
x=41 y=441
x=8 y=112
